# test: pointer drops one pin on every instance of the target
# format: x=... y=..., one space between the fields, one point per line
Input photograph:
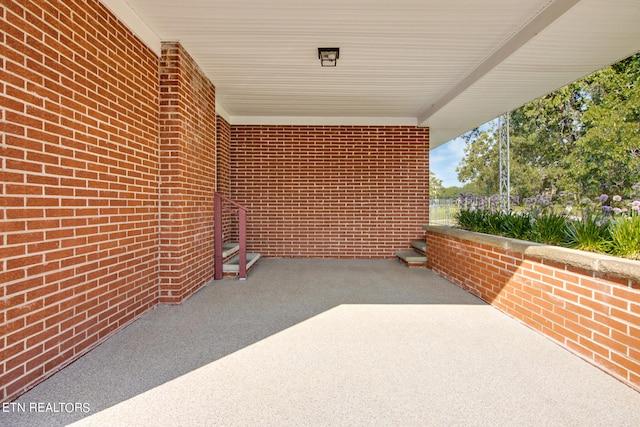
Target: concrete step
x=419 y=246
x=412 y=258
x=232 y=266
x=229 y=249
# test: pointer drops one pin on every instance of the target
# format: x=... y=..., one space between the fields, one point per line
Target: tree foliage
x=455 y=192
x=435 y=186
x=584 y=137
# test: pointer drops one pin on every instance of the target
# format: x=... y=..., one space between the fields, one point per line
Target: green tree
x=543 y=133
x=455 y=191
x=584 y=137
x=435 y=186
x=480 y=167
x=480 y=164
x=606 y=158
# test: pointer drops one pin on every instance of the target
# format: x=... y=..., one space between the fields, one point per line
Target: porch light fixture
x=328 y=56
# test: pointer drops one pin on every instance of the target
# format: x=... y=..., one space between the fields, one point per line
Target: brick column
x=223 y=173
x=187 y=175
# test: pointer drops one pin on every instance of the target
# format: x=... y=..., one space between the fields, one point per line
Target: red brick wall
x=223 y=174
x=596 y=317
x=187 y=173
x=223 y=152
x=108 y=171
x=79 y=164
x=331 y=191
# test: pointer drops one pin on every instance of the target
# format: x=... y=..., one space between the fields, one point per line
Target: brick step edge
x=419 y=246
x=232 y=267
x=412 y=258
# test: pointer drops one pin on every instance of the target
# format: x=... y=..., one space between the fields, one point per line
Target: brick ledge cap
x=605 y=264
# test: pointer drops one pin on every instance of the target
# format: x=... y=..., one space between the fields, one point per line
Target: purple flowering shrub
x=605 y=224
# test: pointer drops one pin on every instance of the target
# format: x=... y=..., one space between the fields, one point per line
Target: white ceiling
x=450 y=65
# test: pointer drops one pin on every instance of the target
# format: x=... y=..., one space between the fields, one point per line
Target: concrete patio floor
x=329 y=343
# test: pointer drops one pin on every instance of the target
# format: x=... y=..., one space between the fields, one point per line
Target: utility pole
x=505 y=163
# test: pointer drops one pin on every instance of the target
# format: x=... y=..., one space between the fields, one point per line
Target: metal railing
x=443 y=211
x=220 y=204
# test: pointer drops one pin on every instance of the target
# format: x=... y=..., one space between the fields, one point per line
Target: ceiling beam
x=542 y=20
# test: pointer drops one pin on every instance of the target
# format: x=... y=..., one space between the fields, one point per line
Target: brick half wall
x=331 y=191
x=593 y=314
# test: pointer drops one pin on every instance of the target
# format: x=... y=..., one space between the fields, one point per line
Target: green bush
x=625 y=237
x=550 y=228
x=603 y=224
x=495 y=223
x=590 y=233
x=518 y=226
x=468 y=219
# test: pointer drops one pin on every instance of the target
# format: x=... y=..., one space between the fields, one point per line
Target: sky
x=445 y=159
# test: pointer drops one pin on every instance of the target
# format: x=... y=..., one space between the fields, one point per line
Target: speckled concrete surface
x=330 y=343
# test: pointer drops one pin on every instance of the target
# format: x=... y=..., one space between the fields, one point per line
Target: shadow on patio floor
x=331 y=342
